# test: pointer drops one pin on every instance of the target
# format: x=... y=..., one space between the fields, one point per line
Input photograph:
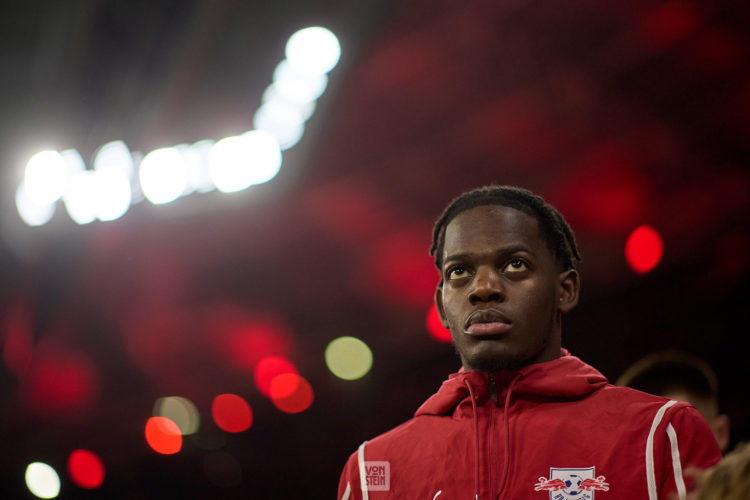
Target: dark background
x=619 y=113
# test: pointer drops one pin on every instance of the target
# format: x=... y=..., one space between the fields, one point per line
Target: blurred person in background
x=523 y=418
x=730 y=479
x=683 y=377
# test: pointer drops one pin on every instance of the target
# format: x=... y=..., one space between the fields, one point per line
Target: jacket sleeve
x=690 y=445
x=349 y=488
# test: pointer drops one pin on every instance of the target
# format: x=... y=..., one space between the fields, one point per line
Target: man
x=523 y=418
x=684 y=377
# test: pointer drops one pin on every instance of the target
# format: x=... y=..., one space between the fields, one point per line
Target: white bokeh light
x=42 y=480
x=81 y=197
x=282 y=120
x=113 y=165
x=181 y=411
x=107 y=188
x=73 y=162
x=45 y=177
x=32 y=212
x=265 y=155
x=113 y=194
x=297 y=87
x=115 y=155
x=305 y=109
x=163 y=175
x=196 y=161
x=236 y=163
x=313 y=51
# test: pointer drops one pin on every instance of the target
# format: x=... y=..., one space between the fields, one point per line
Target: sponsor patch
x=571 y=483
x=378 y=476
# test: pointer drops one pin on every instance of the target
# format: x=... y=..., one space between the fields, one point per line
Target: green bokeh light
x=348 y=358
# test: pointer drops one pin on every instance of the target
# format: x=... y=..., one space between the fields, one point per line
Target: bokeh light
x=45 y=177
x=668 y=23
x=282 y=120
x=163 y=175
x=73 y=161
x=644 y=249
x=236 y=163
x=114 y=155
x=605 y=190
x=196 y=162
x=231 y=413
x=348 y=358
x=291 y=393
x=435 y=327
x=313 y=51
x=181 y=411
x=401 y=269
x=245 y=339
x=110 y=187
x=163 y=435
x=113 y=165
x=86 y=469
x=113 y=195
x=18 y=344
x=42 y=480
x=265 y=155
x=305 y=109
x=32 y=212
x=60 y=381
x=267 y=369
x=295 y=87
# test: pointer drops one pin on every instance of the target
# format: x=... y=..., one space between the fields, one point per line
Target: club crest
x=571 y=483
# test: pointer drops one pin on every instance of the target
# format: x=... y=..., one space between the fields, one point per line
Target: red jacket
x=558 y=430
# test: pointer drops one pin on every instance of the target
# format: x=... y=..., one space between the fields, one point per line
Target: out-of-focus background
x=172 y=319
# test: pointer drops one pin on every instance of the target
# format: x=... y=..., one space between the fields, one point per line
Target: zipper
x=493 y=388
x=491 y=447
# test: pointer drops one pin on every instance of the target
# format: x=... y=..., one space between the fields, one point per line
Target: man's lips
x=487 y=323
x=487 y=329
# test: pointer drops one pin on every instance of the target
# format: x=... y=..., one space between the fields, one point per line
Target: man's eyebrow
x=500 y=253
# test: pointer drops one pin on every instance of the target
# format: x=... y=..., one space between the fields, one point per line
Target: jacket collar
x=564 y=377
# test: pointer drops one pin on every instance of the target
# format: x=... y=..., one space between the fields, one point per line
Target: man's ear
x=720 y=426
x=569 y=284
x=439 y=306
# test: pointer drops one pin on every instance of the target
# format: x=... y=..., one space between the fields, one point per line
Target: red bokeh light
x=159 y=339
x=605 y=190
x=18 y=345
x=668 y=23
x=86 y=469
x=291 y=393
x=435 y=327
x=231 y=413
x=268 y=368
x=643 y=249
x=60 y=381
x=248 y=340
x=403 y=268
x=163 y=435
x=346 y=210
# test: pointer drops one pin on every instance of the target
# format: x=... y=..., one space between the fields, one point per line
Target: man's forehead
x=491 y=221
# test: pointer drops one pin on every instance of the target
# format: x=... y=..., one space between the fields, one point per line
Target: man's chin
x=490 y=364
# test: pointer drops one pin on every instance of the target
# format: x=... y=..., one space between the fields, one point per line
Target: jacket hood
x=564 y=377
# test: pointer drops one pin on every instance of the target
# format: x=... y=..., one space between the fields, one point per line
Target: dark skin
x=503 y=292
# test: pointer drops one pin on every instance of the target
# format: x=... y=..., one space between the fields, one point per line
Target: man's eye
x=457 y=272
x=515 y=266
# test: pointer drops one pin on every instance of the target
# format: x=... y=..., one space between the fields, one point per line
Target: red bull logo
x=571 y=483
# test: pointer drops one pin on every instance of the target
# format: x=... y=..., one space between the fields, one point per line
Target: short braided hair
x=552 y=226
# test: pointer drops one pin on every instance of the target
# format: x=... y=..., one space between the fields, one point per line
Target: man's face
x=503 y=290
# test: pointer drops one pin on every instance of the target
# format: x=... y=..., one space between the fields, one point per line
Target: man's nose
x=487 y=286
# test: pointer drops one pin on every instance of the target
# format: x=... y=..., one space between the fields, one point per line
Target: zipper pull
x=493 y=388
